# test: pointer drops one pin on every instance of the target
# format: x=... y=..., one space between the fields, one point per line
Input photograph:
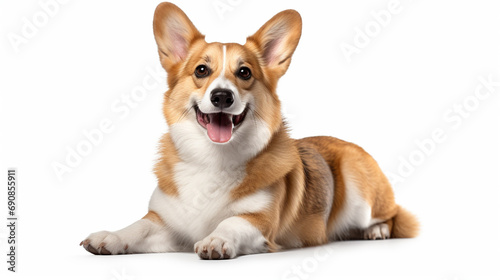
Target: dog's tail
x=404 y=224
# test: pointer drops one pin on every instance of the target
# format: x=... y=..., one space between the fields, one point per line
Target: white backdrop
x=416 y=83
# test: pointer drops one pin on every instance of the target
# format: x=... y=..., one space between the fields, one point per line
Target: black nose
x=222 y=98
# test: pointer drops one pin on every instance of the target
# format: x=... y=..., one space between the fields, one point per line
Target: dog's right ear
x=174 y=33
x=276 y=40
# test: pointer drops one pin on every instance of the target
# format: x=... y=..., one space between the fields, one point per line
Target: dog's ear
x=276 y=40
x=174 y=33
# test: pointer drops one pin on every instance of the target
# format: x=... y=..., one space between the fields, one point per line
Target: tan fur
x=164 y=166
x=405 y=224
x=154 y=217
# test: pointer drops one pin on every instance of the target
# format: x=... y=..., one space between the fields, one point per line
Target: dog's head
x=223 y=92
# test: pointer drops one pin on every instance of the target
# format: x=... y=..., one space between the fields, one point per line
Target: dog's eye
x=202 y=71
x=244 y=73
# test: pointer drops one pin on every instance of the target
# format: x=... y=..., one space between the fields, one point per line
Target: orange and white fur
x=231 y=181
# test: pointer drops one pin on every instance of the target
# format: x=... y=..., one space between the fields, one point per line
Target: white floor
x=432 y=256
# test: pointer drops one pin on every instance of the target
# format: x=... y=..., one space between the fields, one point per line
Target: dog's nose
x=222 y=98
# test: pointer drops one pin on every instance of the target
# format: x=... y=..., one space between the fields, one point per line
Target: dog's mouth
x=219 y=126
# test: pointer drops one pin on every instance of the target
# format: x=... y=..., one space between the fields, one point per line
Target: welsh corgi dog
x=231 y=181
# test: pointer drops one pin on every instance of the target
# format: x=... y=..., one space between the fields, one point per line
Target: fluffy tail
x=405 y=224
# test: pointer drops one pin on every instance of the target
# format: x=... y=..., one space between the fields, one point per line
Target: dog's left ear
x=276 y=40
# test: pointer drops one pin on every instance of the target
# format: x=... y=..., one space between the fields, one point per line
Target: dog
x=231 y=181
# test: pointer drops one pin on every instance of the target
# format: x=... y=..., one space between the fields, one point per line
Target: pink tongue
x=220 y=128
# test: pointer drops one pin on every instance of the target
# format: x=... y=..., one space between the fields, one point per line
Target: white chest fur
x=204 y=201
x=204 y=179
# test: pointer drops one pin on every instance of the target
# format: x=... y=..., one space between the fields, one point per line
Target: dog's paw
x=215 y=248
x=104 y=243
x=378 y=231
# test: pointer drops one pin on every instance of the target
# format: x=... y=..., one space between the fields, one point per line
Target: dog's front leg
x=148 y=235
x=232 y=237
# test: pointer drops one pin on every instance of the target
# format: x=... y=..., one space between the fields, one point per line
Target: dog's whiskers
x=256 y=113
x=184 y=113
x=170 y=98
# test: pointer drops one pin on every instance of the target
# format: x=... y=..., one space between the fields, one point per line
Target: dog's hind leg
x=377 y=231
